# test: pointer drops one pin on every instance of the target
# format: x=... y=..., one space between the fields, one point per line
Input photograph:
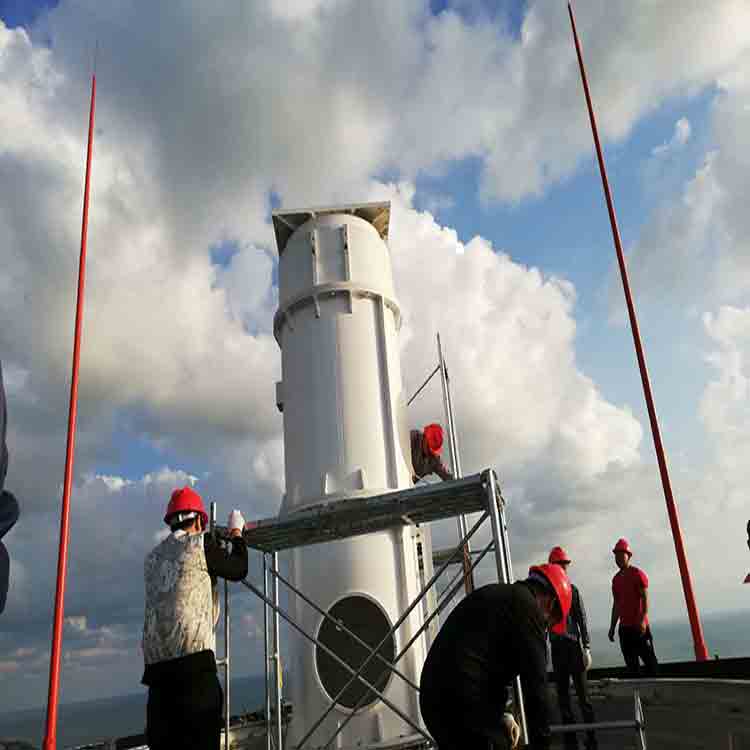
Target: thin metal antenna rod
x=456 y=463
x=50 y=738
x=701 y=652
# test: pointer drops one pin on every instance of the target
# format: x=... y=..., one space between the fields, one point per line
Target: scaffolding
x=343 y=519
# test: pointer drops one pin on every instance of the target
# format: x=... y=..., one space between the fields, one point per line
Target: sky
x=469 y=117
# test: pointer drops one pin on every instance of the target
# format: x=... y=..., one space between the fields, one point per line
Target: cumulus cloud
x=695 y=244
x=204 y=122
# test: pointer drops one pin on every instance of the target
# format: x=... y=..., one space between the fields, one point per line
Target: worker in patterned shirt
x=182 y=608
x=571 y=657
x=630 y=607
x=426 y=446
x=8 y=504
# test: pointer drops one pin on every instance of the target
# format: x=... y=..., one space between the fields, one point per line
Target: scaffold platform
x=341 y=519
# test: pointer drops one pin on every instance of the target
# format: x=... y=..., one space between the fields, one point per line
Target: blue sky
x=206 y=122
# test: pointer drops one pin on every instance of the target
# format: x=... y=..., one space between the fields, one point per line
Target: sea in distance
x=727 y=635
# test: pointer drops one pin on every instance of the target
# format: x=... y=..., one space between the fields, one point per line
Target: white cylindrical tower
x=345 y=435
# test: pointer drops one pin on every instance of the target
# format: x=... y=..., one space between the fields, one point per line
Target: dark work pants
x=185 y=716
x=447 y=725
x=567 y=661
x=636 y=645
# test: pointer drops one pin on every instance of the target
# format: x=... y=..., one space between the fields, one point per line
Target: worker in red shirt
x=630 y=607
x=426 y=446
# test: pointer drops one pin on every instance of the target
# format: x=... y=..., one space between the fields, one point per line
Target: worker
x=630 y=607
x=8 y=504
x=426 y=446
x=496 y=633
x=571 y=657
x=182 y=607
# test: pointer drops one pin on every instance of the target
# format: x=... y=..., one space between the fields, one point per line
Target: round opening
x=363 y=617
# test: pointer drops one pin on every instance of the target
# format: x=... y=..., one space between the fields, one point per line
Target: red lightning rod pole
x=50 y=739
x=701 y=653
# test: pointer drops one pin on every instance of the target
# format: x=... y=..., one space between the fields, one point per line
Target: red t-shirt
x=627 y=586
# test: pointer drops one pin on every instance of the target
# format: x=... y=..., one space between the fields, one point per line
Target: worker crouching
x=426 y=447
x=494 y=635
x=182 y=607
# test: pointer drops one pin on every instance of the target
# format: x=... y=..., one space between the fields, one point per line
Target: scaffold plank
x=341 y=519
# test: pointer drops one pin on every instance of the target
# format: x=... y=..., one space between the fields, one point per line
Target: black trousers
x=447 y=724
x=180 y=716
x=567 y=661
x=636 y=645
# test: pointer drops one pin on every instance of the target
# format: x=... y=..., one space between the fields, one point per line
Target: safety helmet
x=558 y=555
x=557 y=580
x=185 y=500
x=433 y=438
x=622 y=546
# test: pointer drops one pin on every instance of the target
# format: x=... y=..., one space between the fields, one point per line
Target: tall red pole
x=50 y=739
x=701 y=653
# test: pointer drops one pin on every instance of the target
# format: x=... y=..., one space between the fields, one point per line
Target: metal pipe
x=276 y=650
x=441 y=604
x=226 y=665
x=505 y=574
x=340 y=626
x=421 y=387
x=393 y=629
x=50 y=739
x=444 y=601
x=455 y=463
x=594 y=726
x=278 y=611
x=701 y=652
x=266 y=660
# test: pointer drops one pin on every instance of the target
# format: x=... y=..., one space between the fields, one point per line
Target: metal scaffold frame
x=347 y=518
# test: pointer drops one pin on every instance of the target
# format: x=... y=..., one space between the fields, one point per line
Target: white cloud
x=680 y=137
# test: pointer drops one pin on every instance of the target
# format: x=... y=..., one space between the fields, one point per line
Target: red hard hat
x=558 y=555
x=433 y=437
x=623 y=546
x=186 y=500
x=558 y=580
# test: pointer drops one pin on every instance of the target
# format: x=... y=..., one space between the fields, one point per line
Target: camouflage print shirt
x=182 y=604
x=425 y=464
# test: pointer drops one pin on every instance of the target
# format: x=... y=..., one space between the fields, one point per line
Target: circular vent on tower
x=363 y=617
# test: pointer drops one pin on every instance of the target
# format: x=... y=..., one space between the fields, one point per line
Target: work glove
x=587 y=659
x=236 y=521
x=512 y=729
x=611 y=635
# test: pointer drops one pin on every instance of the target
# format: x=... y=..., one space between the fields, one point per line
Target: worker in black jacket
x=182 y=607
x=571 y=658
x=495 y=634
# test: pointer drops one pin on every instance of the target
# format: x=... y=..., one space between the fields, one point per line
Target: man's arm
x=225 y=562
x=534 y=685
x=580 y=617
x=613 y=621
x=442 y=471
x=644 y=604
x=8 y=512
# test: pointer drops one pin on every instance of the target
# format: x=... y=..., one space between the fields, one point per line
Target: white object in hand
x=512 y=729
x=236 y=520
x=587 y=659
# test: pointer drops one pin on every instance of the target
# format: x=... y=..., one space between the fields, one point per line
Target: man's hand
x=643 y=627
x=611 y=635
x=236 y=523
x=512 y=729
x=587 y=659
